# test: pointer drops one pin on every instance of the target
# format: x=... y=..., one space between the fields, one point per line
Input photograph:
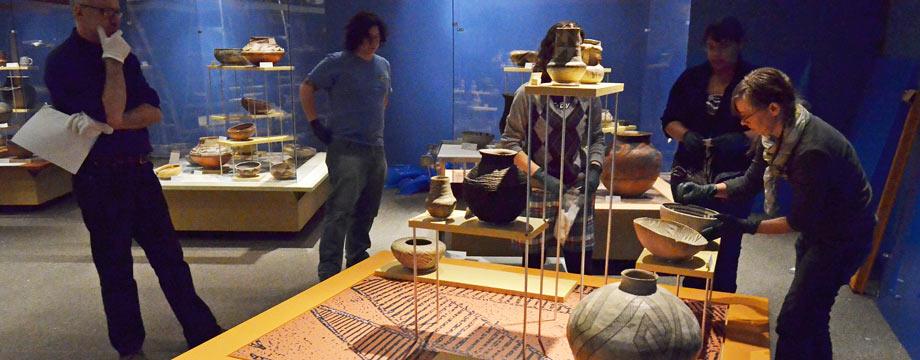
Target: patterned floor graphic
x=375 y=320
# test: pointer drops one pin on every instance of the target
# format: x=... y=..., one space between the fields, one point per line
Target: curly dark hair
x=358 y=26
x=726 y=29
x=548 y=45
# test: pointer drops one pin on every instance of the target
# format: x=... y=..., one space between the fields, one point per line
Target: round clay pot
x=424 y=248
x=667 y=239
x=637 y=164
x=167 y=171
x=230 y=57
x=241 y=132
x=262 y=49
x=441 y=201
x=633 y=319
x=208 y=154
x=696 y=217
x=522 y=57
x=495 y=190
x=591 y=52
x=255 y=106
x=566 y=66
x=593 y=75
x=248 y=169
x=282 y=171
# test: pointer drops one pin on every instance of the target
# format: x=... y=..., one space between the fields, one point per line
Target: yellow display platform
x=483 y=279
x=747 y=329
x=32 y=184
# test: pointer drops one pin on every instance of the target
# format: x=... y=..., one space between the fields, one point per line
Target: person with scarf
x=830 y=205
x=552 y=118
x=696 y=113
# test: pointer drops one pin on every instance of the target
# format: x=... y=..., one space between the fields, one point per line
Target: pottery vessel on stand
x=440 y=202
x=633 y=319
x=637 y=164
x=282 y=171
x=208 y=154
x=566 y=66
x=248 y=169
x=522 y=57
x=667 y=239
x=495 y=189
x=696 y=217
x=241 y=132
x=255 y=106
x=427 y=255
x=262 y=49
x=230 y=57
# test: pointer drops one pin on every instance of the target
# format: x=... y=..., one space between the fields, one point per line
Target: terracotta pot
x=18 y=92
x=440 y=201
x=255 y=106
x=637 y=165
x=426 y=259
x=167 y=171
x=667 y=239
x=208 y=154
x=633 y=319
x=262 y=49
x=230 y=57
x=248 y=169
x=566 y=66
x=591 y=52
x=495 y=190
x=522 y=57
x=282 y=171
x=696 y=217
x=241 y=132
x=593 y=75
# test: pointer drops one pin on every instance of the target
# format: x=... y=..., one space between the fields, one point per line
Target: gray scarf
x=777 y=153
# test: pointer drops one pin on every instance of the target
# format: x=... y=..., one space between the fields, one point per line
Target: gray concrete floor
x=51 y=306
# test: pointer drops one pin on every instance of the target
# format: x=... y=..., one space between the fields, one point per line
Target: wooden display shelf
x=20 y=111
x=219 y=203
x=747 y=331
x=32 y=183
x=580 y=90
x=256 y=140
x=458 y=224
x=518 y=69
x=18 y=68
x=249 y=68
x=702 y=265
x=274 y=114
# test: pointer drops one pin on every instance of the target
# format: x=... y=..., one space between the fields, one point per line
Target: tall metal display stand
x=526 y=228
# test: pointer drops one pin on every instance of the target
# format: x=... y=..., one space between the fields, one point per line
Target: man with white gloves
x=94 y=72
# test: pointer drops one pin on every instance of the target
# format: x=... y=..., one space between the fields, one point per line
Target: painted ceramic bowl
x=696 y=217
x=208 y=154
x=667 y=239
x=167 y=171
x=255 y=106
x=241 y=132
x=425 y=256
x=302 y=153
x=262 y=49
x=230 y=57
x=282 y=171
x=248 y=169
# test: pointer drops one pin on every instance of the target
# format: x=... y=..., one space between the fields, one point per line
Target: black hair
x=726 y=29
x=545 y=54
x=764 y=86
x=358 y=26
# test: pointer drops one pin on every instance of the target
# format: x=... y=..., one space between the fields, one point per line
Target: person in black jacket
x=830 y=205
x=695 y=116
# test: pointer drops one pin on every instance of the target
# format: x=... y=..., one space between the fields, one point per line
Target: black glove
x=550 y=183
x=730 y=144
x=594 y=179
x=693 y=142
x=693 y=193
x=729 y=224
x=321 y=131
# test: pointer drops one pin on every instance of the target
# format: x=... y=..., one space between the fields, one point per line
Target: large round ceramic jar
x=495 y=190
x=637 y=164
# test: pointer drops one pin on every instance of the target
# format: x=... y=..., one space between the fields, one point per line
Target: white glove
x=83 y=125
x=114 y=46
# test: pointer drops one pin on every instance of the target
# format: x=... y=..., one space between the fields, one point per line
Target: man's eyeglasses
x=107 y=12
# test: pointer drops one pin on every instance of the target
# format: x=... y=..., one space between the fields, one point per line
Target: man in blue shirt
x=358 y=83
x=93 y=71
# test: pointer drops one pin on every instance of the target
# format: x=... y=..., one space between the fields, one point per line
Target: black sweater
x=830 y=194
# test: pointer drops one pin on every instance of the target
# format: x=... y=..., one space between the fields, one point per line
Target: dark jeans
x=572 y=260
x=726 y=271
x=125 y=202
x=357 y=173
x=821 y=268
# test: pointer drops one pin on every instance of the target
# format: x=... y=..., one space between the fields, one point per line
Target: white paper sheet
x=47 y=135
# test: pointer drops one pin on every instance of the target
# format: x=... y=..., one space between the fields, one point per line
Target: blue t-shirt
x=357 y=89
